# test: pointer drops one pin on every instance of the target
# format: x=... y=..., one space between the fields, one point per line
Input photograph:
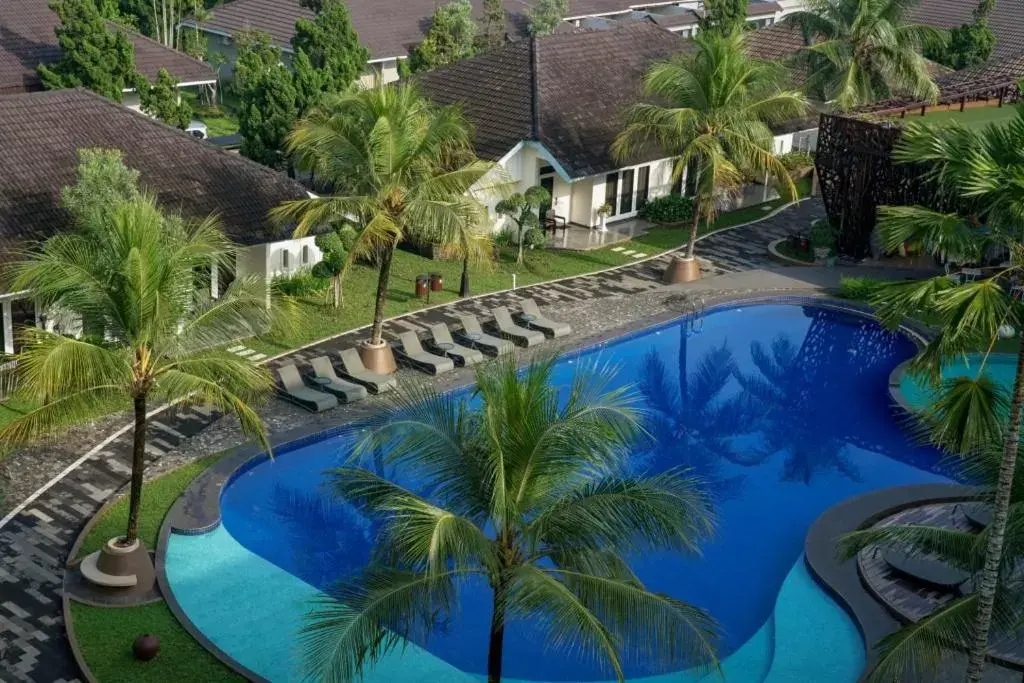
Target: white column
x=7 y=320
x=214 y=284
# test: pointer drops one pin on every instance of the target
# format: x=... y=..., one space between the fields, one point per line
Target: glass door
x=626 y=201
x=548 y=183
x=643 y=186
x=611 y=191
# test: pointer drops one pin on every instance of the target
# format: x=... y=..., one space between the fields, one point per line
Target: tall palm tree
x=134 y=282
x=525 y=488
x=984 y=170
x=399 y=166
x=862 y=51
x=712 y=109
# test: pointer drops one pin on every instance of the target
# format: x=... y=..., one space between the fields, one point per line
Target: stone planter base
x=378 y=358
x=120 y=567
x=681 y=270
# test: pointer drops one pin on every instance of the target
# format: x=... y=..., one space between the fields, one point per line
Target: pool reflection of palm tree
x=689 y=421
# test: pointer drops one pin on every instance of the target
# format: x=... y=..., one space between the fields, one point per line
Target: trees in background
x=93 y=55
x=711 y=109
x=161 y=99
x=724 y=16
x=491 y=33
x=335 y=246
x=267 y=99
x=545 y=15
x=387 y=155
x=525 y=487
x=523 y=208
x=331 y=46
x=451 y=37
x=969 y=44
x=128 y=269
x=862 y=51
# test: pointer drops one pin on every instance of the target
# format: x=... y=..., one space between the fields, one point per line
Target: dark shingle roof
x=1006 y=20
x=27 y=40
x=41 y=133
x=566 y=91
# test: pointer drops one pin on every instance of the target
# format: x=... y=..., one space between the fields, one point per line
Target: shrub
x=859 y=288
x=534 y=238
x=301 y=283
x=671 y=208
x=797 y=163
x=506 y=237
x=822 y=234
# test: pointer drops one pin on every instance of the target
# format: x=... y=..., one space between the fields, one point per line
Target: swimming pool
x=1001 y=368
x=781 y=408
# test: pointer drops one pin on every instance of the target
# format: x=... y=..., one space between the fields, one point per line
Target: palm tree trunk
x=997 y=532
x=497 y=641
x=377 y=333
x=692 y=244
x=138 y=469
x=464 y=282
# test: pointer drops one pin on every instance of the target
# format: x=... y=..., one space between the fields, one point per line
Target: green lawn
x=106 y=634
x=540 y=266
x=972 y=118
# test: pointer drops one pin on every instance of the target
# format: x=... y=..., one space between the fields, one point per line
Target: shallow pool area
x=781 y=408
x=1000 y=367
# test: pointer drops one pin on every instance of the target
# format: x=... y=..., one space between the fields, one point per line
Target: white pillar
x=214 y=283
x=7 y=320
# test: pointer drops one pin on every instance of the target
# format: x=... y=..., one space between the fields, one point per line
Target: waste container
x=436 y=282
x=422 y=285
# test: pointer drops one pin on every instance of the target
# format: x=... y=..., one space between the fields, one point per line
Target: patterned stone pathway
x=34 y=544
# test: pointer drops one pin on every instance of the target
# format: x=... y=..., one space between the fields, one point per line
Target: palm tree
x=862 y=51
x=133 y=282
x=401 y=168
x=524 y=487
x=712 y=109
x=984 y=170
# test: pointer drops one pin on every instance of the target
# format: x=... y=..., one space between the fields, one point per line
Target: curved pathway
x=34 y=542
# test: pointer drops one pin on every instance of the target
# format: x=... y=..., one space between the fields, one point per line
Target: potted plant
x=822 y=239
x=603 y=212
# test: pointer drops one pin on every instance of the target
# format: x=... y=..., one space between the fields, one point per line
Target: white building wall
x=292 y=256
x=252 y=261
x=582 y=211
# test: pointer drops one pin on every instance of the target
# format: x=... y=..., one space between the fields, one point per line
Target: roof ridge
x=133 y=32
x=535 y=87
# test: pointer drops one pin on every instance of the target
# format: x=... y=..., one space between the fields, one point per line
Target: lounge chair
x=327 y=378
x=533 y=318
x=412 y=352
x=295 y=390
x=357 y=372
x=441 y=338
x=934 y=573
x=472 y=331
x=508 y=328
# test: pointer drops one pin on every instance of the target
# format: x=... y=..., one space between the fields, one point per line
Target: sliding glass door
x=611 y=191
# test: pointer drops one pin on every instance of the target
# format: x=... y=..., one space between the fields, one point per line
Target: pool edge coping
x=242 y=455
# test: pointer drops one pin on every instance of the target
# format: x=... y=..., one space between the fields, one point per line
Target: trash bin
x=436 y=282
x=422 y=285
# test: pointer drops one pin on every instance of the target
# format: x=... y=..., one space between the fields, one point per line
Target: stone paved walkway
x=35 y=543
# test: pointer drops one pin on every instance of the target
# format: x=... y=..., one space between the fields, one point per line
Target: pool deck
x=73 y=478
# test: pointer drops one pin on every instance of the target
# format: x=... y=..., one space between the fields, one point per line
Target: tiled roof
x=41 y=133
x=27 y=40
x=1006 y=20
x=567 y=91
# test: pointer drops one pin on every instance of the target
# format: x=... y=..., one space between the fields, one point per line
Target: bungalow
x=548 y=109
x=27 y=39
x=40 y=135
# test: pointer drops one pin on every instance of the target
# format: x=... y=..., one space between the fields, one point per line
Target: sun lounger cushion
x=296 y=391
x=355 y=370
x=508 y=327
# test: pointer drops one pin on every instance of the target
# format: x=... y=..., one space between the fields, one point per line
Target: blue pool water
x=782 y=409
x=999 y=367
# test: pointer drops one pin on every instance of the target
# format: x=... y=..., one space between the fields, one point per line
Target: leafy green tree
x=134 y=272
x=525 y=488
x=310 y=84
x=387 y=153
x=101 y=180
x=93 y=55
x=712 y=110
x=523 y=208
x=545 y=15
x=451 y=37
x=983 y=169
x=267 y=99
x=864 y=51
x=162 y=100
x=335 y=246
x=491 y=34
x=724 y=16
x=969 y=44
x=331 y=44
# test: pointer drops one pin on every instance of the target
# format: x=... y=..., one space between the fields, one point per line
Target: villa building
x=548 y=109
x=40 y=135
x=27 y=39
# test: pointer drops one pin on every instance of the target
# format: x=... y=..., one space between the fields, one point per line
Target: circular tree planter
x=773 y=249
x=378 y=357
x=681 y=270
x=120 y=567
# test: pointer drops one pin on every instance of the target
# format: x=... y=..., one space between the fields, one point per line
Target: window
x=626 y=201
x=546 y=170
x=643 y=186
x=285 y=258
x=305 y=254
x=611 y=191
